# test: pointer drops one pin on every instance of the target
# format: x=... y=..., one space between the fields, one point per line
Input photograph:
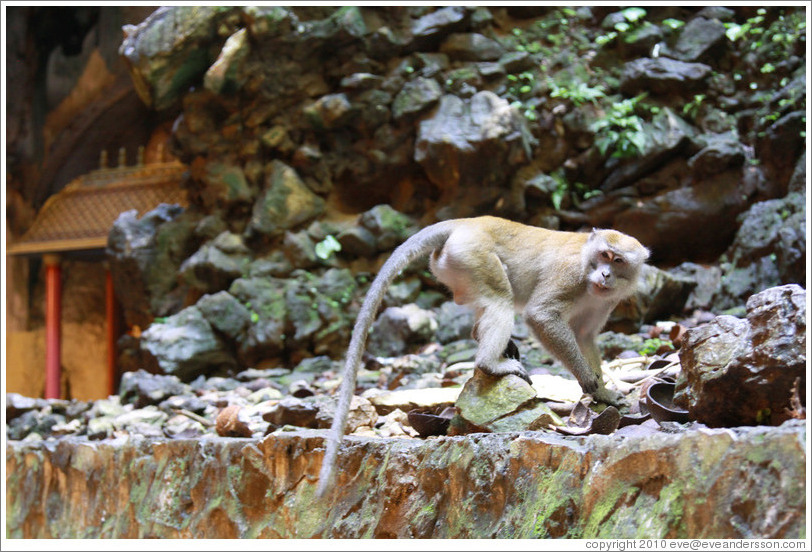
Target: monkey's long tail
x=418 y=245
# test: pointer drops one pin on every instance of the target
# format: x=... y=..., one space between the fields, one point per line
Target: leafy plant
x=633 y=17
x=327 y=247
x=651 y=346
x=621 y=130
x=563 y=188
x=692 y=108
x=519 y=90
x=578 y=94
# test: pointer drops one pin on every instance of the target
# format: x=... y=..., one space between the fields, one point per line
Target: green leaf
x=633 y=15
x=672 y=23
x=622 y=27
x=557 y=197
x=734 y=31
x=326 y=247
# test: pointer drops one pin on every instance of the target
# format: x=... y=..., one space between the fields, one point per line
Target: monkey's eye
x=606 y=255
x=619 y=260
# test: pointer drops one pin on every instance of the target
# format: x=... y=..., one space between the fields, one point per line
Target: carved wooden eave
x=79 y=217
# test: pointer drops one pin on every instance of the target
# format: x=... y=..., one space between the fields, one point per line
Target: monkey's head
x=612 y=262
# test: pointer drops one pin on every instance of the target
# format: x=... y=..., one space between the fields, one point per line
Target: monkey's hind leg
x=497 y=354
x=512 y=351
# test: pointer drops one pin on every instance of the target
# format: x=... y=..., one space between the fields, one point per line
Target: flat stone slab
x=700 y=483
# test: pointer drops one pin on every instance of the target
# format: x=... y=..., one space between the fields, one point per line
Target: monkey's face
x=606 y=272
x=612 y=267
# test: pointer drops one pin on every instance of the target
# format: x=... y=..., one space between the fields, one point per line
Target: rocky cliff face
x=737 y=483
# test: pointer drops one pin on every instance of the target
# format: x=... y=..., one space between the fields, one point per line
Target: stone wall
x=722 y=483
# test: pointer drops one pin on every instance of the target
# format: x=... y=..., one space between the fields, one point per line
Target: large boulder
x=171 y=49
x=285 y=203
x=663 y=76
x=747 y=371
x=399 y=327
x=217 y=263
x=469 y=143
x=186 y=346
x=699 y=40
x=769 y=249
x=145 y=255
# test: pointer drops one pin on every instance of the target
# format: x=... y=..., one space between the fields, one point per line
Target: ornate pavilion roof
x=79 y=217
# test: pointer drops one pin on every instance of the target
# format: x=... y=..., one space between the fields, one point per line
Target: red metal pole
x=53 y=313
x=112 y=332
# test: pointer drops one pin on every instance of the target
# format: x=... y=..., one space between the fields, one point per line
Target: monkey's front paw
x=608 y=396
x=590 y=385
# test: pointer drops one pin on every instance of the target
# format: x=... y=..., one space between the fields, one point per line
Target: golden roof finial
x=122 y=158
x=140 y=160
x=103 y=159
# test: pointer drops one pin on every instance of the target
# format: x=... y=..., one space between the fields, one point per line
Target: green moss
x=595 y=525
x=550 y=494
x=667 y=511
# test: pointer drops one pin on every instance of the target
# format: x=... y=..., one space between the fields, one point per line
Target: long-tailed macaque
x=565 y=283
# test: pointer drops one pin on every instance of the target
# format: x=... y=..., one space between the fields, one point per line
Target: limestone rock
x=216 y=264
x=663 y=76
x=432 y=27
x=171 y=49
x=225 y=313
x=741 y=372
x=398 y=327
x=145 y=255
x=266 y=335
x=427 y=399
x=468 y=143
x=415 y=97
x=699 y=40
x=454 y=322
x=224 y=184
x=293 y=411
x=389 y=227
x=471 y=47
x=142 y=388
x=329 y=112
x=231 y=424
x=285 y=203
x=358 y=241
x=768 y=250
x=362 y=413
x=661 y=292
x=225 y=75
x=722 y=152
x=185 y=345
x=486 y=401
x=667 y=136
x=707 y=279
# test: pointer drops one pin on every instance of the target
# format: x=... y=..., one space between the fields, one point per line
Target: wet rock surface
x=547 y=487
